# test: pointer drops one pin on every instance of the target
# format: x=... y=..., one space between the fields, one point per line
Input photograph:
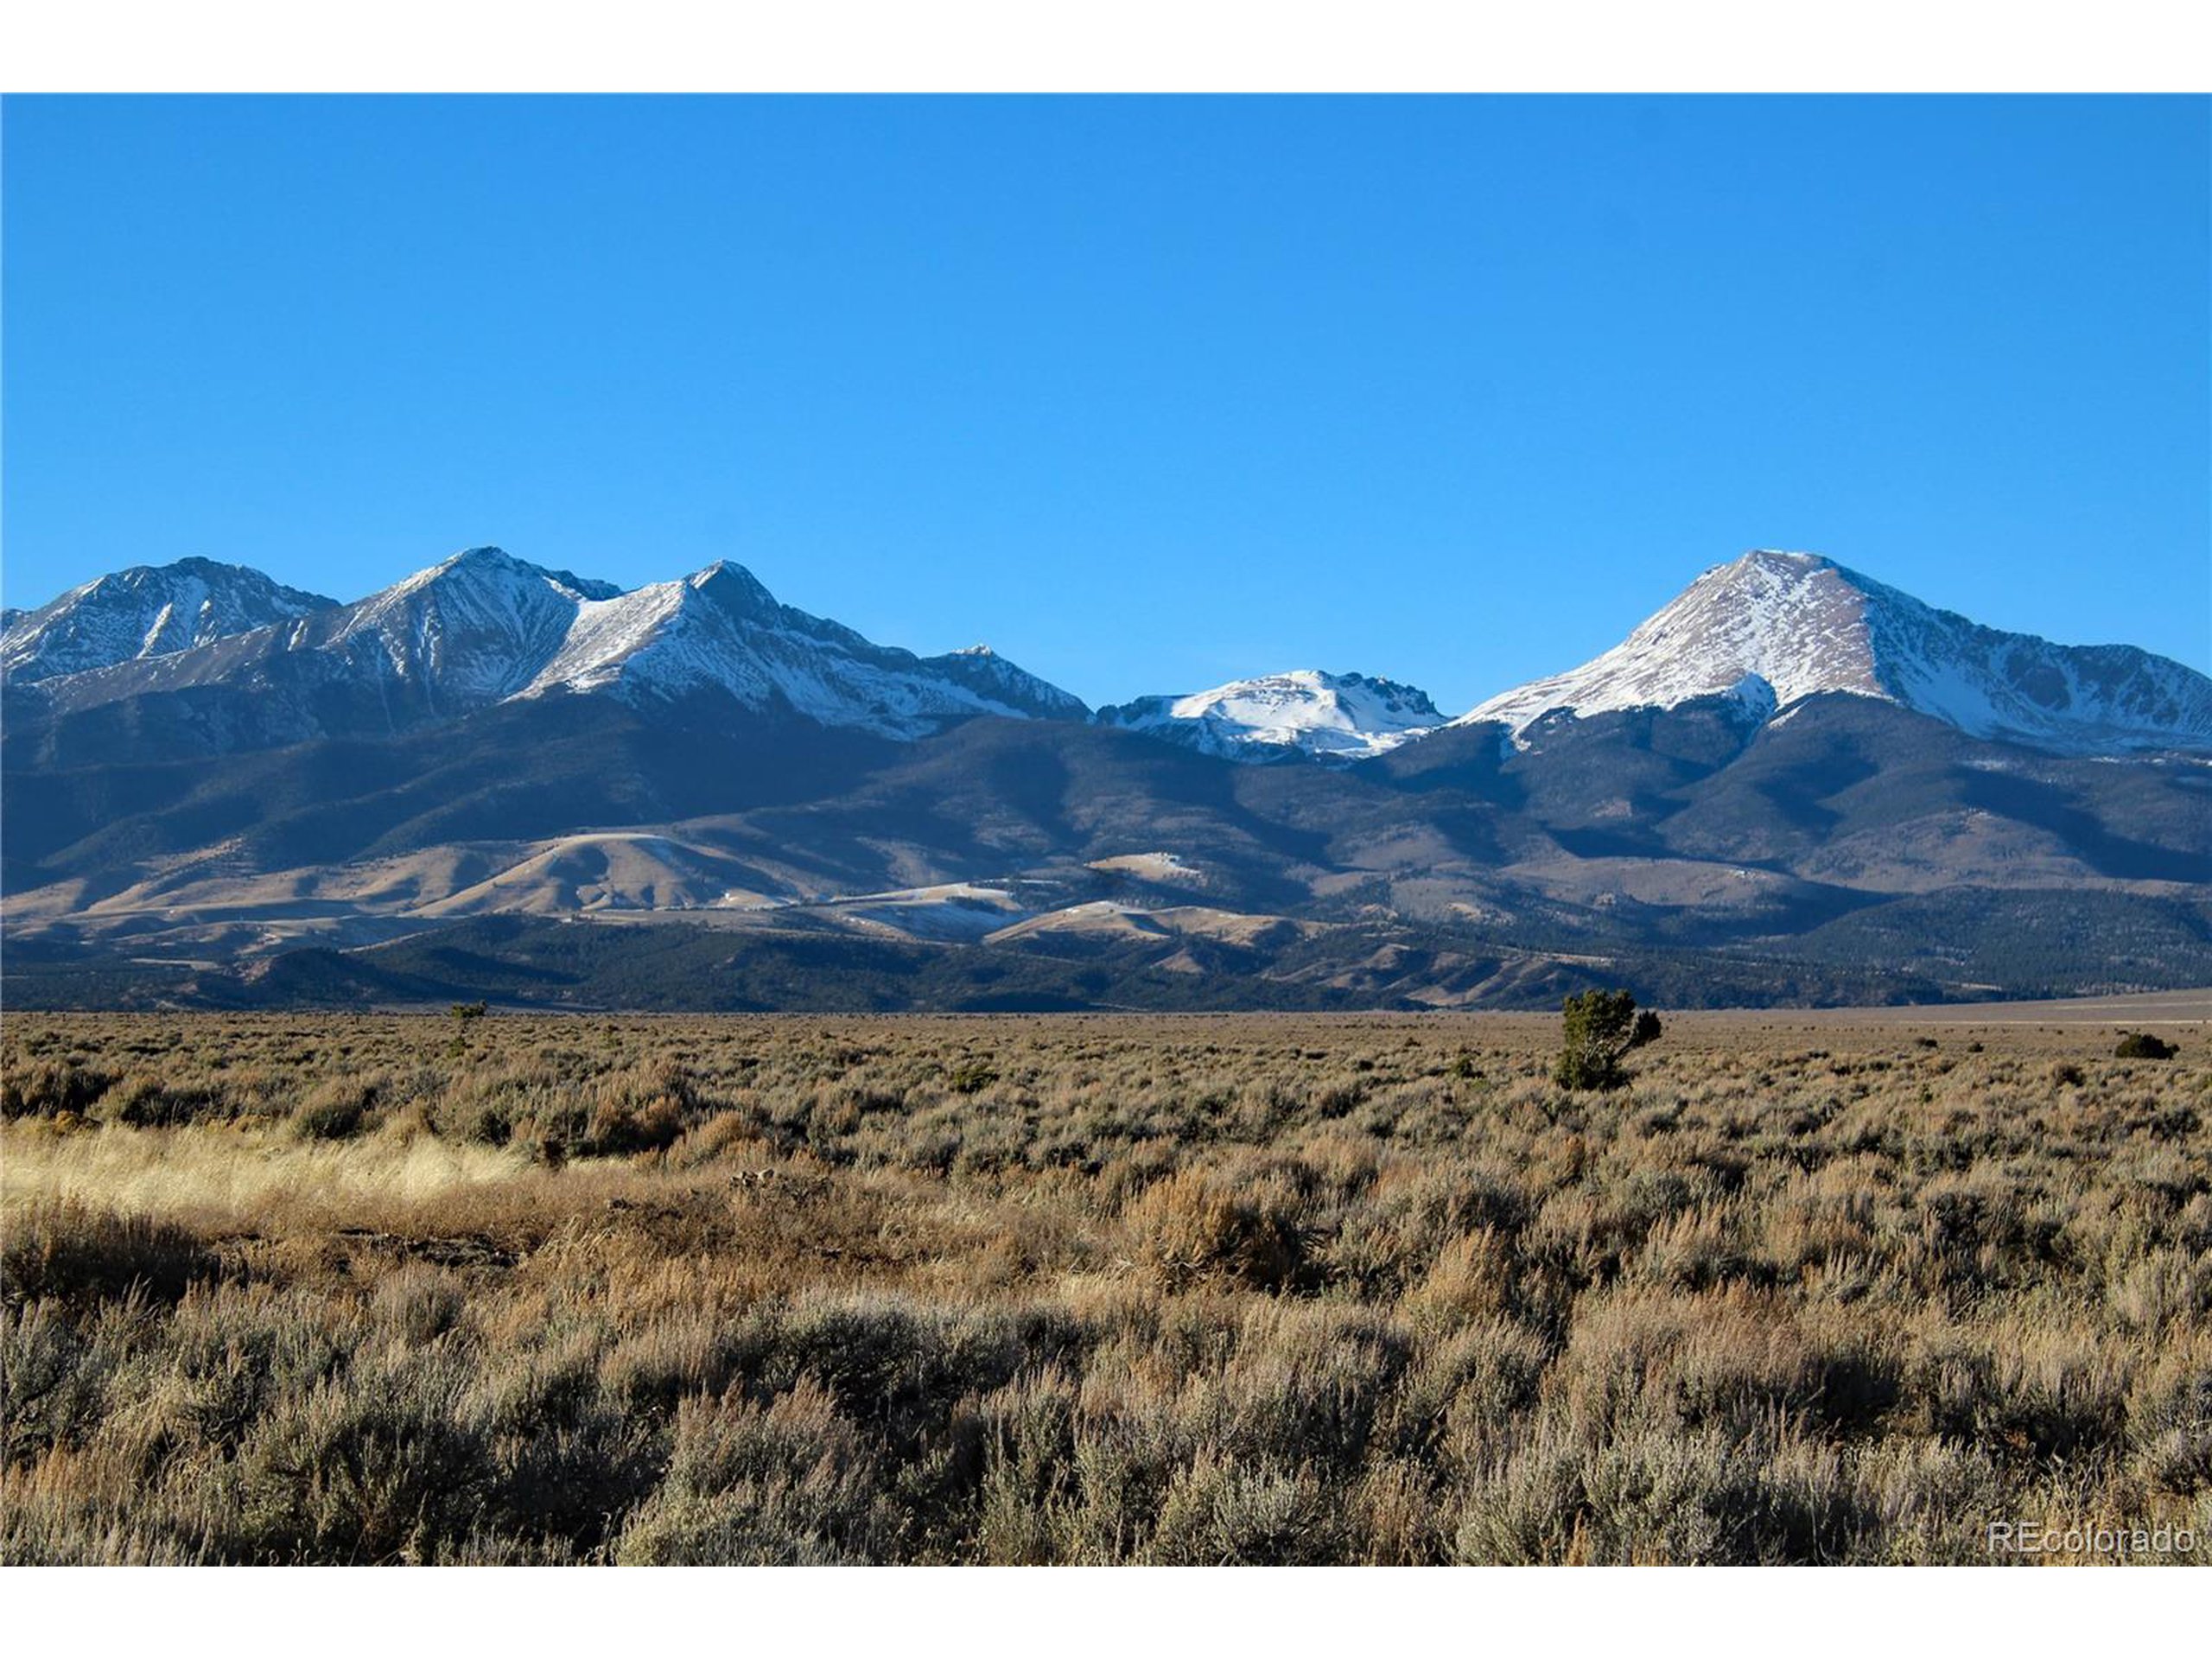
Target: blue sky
x=1148 y=393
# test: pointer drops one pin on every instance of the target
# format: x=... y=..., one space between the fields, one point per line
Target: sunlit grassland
x=1093 y=1289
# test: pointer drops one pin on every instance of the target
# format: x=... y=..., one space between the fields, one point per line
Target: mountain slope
x=483 y=627
x=145 y=611
x=1774 y=796
x=1772 y=629
x=1305 y=711
x=721 y=630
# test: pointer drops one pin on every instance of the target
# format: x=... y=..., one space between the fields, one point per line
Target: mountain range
x=1792 y=783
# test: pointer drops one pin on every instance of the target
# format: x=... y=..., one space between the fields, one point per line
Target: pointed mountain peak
x=489 y=567
x=148 y=610
x=192 y=568
x=721 y=630
x=471 y=564
x=1006 y=685
x=736 y=589
x=1770 y=629
x=485 y=557
x=204 y=568
x=1771 y=571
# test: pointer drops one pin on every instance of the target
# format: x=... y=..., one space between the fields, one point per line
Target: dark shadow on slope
x=2052 y=807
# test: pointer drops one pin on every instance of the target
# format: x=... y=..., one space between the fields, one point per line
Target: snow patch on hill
x=1308 y=711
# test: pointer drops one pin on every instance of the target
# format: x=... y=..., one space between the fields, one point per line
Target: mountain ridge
x=483 y=627
x=1760 y=801
x=1763 y=631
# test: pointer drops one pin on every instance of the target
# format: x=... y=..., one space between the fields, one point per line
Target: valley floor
x=1841 y=1288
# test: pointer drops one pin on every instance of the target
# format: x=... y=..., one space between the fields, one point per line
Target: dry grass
x=1245 y=1290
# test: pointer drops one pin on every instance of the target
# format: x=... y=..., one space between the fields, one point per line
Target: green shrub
x=973 y=1076
x=2142 y=1045
x=1598 y=1029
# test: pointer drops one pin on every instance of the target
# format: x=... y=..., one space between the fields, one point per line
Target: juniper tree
x=1599 y=1028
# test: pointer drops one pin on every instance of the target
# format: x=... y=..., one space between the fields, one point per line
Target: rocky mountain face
x=484 y=628
x=146 y=611
x=1792 y=785
x=1304 y=713
x=1772 y=629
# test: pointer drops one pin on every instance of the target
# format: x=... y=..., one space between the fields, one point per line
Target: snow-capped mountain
x=253 y=663
x=474 y=629
x=1335 y=716
x=1773 y=628
x=484 y=627
x=494 y=740
x=721 y=630
x=146 y=611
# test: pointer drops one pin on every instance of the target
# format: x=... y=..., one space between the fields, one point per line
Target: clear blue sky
x=1147 y=393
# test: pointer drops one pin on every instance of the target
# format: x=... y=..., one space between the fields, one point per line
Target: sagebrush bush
x=335 y=1110
x=50 y=1088
x=1245 y=1290
x=69 y=1250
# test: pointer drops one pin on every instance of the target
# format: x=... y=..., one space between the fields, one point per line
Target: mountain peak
x=472 y=565
x=721 y=630
x=147 y=610
x=1800 y=625
x=198 y=565
x=492 y=565
x=1301 y=710
x=1780 y=559
x=736 y=589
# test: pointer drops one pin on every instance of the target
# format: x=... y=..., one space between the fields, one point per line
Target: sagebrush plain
x=1247 y=1289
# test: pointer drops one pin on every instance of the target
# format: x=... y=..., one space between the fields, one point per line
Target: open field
x=2139 y=1011
x=1096 y=1288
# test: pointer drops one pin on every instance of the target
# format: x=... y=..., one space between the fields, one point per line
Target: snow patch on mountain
x=473 y=629
x=145 y=611
x=721 y=630
x=1799 y=625
x=1308 y=711
x=484 y=627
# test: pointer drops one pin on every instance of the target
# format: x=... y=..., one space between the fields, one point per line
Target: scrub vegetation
x=1094 y=1289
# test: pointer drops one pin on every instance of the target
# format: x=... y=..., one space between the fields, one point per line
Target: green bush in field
x=2142 y=1045
x=1599 y=1028
x=973 y=1076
